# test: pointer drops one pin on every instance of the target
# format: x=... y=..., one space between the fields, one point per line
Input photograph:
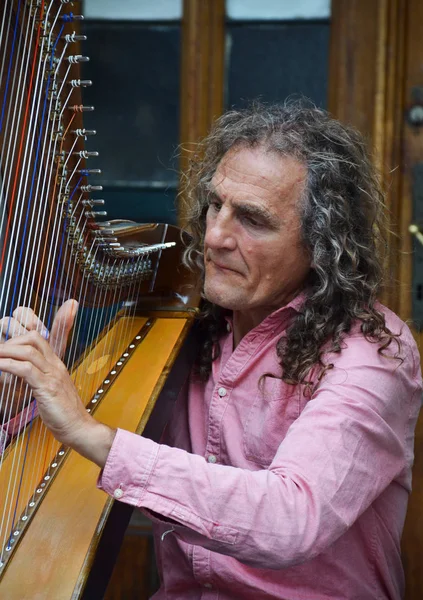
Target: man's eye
x=215 y=206
x=252 y=221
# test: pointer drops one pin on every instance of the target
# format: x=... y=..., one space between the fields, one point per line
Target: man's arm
x=94 y=441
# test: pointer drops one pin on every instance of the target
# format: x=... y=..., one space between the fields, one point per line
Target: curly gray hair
x=344 y=229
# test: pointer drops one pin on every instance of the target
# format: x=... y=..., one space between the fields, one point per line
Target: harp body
x=137 y=304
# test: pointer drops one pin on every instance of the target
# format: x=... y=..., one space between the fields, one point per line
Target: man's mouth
x=222 y=266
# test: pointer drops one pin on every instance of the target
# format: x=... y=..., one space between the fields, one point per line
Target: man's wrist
x=94 y=442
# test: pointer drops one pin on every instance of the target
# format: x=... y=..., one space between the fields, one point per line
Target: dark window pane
x=144 y=205
x=135 y=73
x=271 y=62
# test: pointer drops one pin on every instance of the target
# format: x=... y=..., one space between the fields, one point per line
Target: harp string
x=6 y=281
x=84 y=385
x=22 y=140
x=17 y=214
x=4 y=103
x=36 y=222
x=48 y=225
x=5 y=192
x=30 y=423
x=15 y=508
x=45 y=250
x=49 y=447
x=10 y=61
x=40 y=466
x=20 y=263
x=2 y=31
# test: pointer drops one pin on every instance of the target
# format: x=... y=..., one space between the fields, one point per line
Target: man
x=288 y=461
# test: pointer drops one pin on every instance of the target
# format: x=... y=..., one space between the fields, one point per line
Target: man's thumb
x=62 y=325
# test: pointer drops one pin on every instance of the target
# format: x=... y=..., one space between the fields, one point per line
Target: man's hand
x=14 y=393
x=30 y=357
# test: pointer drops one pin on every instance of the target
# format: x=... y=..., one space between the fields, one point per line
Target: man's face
x=254 y=258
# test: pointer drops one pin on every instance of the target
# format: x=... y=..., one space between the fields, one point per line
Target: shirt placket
x=231 y=365
x=202 y=572
x=220 y=398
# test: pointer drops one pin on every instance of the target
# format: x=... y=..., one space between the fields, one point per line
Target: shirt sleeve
x=15 y=425
x=350 y=442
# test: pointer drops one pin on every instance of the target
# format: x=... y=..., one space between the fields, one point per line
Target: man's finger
x=10 y=327
x=33 y=340
x=26 y=353
x=28 y=319
x=62 y=325
x=22 y=369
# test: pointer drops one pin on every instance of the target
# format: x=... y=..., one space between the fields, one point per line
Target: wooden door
x=376 y=84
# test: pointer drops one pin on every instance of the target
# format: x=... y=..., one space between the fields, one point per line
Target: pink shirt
x=265 y=493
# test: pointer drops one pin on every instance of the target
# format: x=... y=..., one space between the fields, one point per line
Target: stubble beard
x=231 y=301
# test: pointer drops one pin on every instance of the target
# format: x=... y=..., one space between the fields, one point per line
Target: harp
x=137 y=305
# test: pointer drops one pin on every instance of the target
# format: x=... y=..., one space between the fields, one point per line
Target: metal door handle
x=414 y=229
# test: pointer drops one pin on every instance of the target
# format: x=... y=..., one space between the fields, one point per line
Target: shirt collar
x=280 y=315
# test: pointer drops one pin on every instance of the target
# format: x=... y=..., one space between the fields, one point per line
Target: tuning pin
x=96 y=213
x=106 y=240
x=92 y=202
x=84 y=132
x=87 y=172
x=71 y=17
x=76 y=59
x=73 y=37
x=80 y=83
x=80 y=108
x=91 y=188
x=85 y=154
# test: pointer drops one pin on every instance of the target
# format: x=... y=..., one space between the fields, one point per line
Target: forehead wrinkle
x=250 y=179
x=281 y=181
x=211 y=188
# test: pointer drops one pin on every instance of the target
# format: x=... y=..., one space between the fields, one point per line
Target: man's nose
x=219 y=232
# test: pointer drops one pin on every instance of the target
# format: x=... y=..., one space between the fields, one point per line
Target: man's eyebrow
x=248 y=208
x=257 y=211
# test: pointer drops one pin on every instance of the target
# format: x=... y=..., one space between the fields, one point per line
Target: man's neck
x=243 y=322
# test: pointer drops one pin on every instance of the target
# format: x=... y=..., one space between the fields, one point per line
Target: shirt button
x=208 y=586
x=212 y=458
x=118 y=493
x=221 y=391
